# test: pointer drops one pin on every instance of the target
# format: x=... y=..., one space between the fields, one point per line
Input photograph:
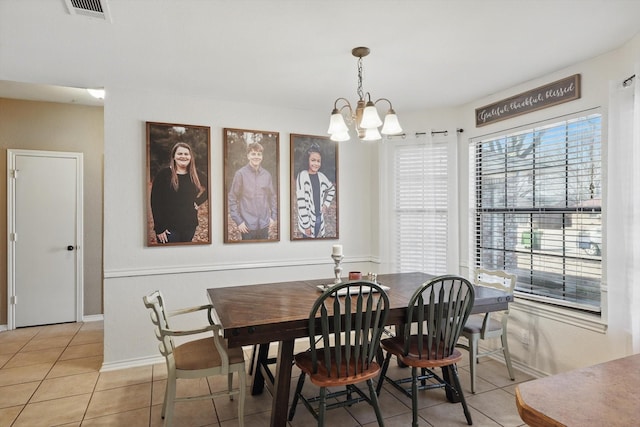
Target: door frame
x=11 y=227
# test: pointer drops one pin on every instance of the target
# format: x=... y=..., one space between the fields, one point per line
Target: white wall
x=184 y=273
x=558 y=340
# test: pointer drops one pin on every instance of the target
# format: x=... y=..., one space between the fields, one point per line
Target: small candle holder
x=338 y=268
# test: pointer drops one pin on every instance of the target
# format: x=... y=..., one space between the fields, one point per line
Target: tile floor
x=49 y=376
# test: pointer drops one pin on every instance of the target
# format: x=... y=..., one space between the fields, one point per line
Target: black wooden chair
x=349 y=317
x=437 y=312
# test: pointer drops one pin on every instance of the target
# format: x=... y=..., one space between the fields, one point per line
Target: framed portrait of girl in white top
x=314 y=188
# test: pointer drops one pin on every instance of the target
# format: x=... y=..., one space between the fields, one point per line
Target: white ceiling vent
x=92 y=8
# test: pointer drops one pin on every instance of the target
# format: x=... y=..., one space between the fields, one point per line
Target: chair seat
x=474 y=324
x=395 y=346
x=202 y=354
x=328 y=379
x=198 y=358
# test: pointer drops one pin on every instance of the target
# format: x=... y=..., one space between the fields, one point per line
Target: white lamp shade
x=340 y=137
x=391 y=124
x=372 y=134
x=370 y=117
x=337 y=124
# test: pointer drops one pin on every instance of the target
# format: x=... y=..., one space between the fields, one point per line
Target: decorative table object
x=336 y=254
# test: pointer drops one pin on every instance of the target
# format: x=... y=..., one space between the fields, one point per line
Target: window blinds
x=537 y=195
x=421 y=203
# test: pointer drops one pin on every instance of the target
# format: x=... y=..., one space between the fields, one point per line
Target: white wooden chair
x=198 y=358
x=485 y=326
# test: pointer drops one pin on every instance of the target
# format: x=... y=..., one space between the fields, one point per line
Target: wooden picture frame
x=178 y=203
x=305 y=152
x=251 y=209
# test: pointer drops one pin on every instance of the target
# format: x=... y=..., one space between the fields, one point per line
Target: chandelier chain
x=360 y=92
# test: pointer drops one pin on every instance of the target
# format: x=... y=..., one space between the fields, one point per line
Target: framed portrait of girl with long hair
x=314 y=188
x=178 y=159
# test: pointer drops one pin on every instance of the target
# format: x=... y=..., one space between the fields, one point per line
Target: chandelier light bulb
x=370 y=117
x=391 y=124
x=340 y=137
x=372 y=134
x=337 y=123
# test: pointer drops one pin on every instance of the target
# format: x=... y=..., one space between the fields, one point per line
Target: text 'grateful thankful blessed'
x=545 y=96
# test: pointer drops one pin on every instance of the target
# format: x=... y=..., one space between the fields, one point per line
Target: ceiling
x=297 y=53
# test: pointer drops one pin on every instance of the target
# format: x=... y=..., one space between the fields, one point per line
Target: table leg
x=400 y=332
x=448 y=376
x=282 y=384
x=258 y=378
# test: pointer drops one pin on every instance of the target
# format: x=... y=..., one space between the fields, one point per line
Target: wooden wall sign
x=555 y=93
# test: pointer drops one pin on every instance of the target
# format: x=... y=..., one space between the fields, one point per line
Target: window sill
x=592 y=322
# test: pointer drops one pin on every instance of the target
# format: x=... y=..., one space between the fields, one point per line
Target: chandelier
x=365 y=117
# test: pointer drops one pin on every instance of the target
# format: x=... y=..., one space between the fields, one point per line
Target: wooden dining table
x=278 y=312
x=606 y=394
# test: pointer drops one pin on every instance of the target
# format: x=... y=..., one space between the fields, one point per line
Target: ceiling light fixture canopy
x=365 y=117
x=96 y=93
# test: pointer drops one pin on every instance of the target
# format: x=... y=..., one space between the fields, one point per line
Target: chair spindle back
x=155 y=302
x=354 y=321
x=440 y=309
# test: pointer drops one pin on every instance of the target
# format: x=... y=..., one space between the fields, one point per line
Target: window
x=421 y=205
x=537 y=199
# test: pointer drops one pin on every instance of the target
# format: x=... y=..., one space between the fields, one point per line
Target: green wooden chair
x=349 y=317
x=437 y=312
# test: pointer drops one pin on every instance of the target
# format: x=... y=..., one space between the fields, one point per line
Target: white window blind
x=538 y=199
x=421 y=203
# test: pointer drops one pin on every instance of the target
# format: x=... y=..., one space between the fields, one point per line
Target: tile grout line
x=491 y=415
x=48 y=372
x=40 y=382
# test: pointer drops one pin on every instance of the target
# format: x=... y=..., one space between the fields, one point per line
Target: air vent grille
x=92 y=8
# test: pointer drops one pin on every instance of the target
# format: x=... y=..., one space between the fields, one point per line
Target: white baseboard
x=519 y=366
x=3 y=328
x=535 y=373
x=132 y=363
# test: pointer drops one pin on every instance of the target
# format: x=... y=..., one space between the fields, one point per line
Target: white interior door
x=45 y=224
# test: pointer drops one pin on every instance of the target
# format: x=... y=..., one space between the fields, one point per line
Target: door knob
x=70 y=248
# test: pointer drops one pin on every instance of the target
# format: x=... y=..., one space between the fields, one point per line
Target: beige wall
x=50 y=126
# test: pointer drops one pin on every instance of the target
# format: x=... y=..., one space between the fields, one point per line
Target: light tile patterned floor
x=49 y=376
